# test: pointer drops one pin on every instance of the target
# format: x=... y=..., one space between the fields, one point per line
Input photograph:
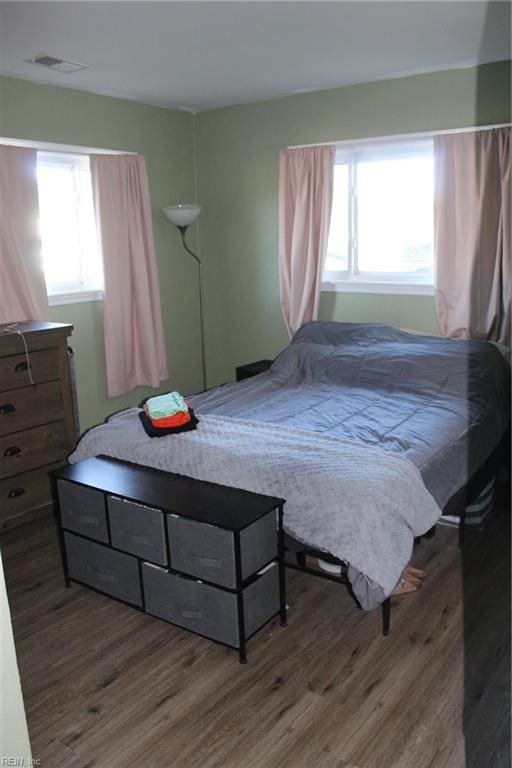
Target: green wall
x=237 y=159
x=227 y=159
x=164 y=137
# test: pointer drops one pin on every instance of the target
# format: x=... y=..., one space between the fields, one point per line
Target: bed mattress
x=340 y=406
x=442 y=403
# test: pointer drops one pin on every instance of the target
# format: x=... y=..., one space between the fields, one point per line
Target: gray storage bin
x=82 y=509
x=261 y=600
x=137 y=529
x=208 y=552
x=103 y=568
x=206 y=610
x=258 y=544
x=202 y=550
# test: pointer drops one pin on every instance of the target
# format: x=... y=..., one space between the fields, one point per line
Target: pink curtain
x=134 y=337
x=22 y=284
x=472 y=234
x=305 y=199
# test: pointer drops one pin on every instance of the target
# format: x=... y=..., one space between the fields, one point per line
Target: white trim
x=377 y=278
x=346 y=286
x=74 y=297
x=384 y=150
x=62 y=158
x=74 y=149
x=399 y=136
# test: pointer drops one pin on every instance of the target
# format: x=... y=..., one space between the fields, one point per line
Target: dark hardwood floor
x=107 y=687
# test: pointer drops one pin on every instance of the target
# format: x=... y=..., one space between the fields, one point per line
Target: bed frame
x=499 y=458
x=456 y=506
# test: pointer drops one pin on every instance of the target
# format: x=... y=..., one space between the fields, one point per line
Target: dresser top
x=219 y=505
x=35 y=326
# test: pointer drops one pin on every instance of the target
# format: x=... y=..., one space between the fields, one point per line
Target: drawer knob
x=12 y=451
x=7 y=408
x=15 y=493
x=23 y=366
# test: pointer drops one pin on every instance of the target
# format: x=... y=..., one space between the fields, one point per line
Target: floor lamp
x=182 y=217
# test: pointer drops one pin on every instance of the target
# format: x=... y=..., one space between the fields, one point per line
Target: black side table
x=252 y=369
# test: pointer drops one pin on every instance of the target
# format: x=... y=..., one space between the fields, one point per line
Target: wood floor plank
x=106 y=686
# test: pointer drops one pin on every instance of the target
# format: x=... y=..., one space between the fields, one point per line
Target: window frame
x=89 y=287
x=352 y=280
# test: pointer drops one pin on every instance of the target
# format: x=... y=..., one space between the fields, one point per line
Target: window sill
x=74 y=297
x=345 y=286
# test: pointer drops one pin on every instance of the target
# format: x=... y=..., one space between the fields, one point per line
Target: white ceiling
x=200 y=55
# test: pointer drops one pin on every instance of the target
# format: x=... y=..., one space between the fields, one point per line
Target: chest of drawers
x=205 y=557
x=37 y=423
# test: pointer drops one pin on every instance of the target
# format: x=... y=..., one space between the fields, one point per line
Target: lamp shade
x=182 y=215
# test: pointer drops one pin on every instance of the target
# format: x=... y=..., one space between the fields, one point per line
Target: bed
x=368 y=432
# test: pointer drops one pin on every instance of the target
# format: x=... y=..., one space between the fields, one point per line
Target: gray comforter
x=360 y=504
x=441 y=403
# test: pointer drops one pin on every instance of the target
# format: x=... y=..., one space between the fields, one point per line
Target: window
x=71 y=254
x=382 y=223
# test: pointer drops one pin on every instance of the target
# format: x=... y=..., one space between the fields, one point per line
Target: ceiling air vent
x=55 y=62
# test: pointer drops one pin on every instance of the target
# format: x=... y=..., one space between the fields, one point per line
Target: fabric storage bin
x=258 y=544
x=103 y=568
x=261 y=600
x=137 y=529
x=208 y=552
x=207 y=610
x=82 y=510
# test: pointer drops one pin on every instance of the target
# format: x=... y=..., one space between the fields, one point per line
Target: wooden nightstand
x=252 y=369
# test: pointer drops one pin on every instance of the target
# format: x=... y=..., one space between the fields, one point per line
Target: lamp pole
x=182 y=215
x=183 y=230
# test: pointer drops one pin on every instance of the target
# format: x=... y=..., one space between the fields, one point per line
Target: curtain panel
x=22 y=284
x=134 y=336
x=472 y=234
x=305 y=200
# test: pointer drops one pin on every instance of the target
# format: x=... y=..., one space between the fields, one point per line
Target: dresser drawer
x=82 y=510
x=105 y=569
x=137 y=529
x=207 y=610
x=44 y=366
x=261 y=600
x=202 y=550
x=32 y=448
x=25 y=492
x=208 y=552
x=30 y=406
